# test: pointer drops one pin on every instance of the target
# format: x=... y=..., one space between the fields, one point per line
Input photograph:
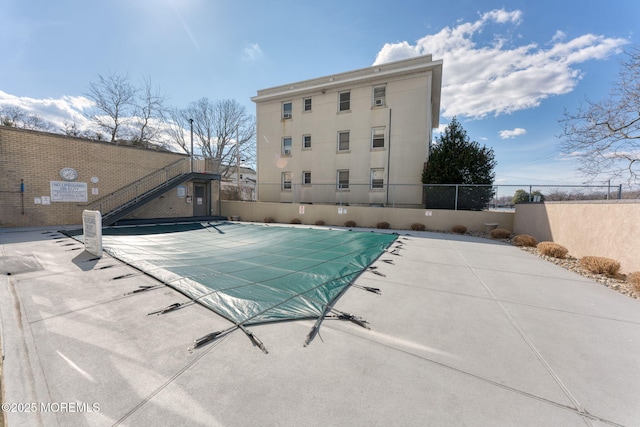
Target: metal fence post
x=495 y=196
x=456 y=200
x=501 y=196
x=393 y=203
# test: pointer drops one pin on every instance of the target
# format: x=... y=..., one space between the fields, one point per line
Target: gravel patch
x=571 y=263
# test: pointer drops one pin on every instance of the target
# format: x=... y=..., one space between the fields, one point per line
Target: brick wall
x=171 y=205
x=168 y=205
x=38 y=157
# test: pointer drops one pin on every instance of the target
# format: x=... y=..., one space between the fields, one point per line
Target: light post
x=238 y=158
x=191 y=123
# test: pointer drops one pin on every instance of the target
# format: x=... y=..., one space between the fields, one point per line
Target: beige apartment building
x=356 y=138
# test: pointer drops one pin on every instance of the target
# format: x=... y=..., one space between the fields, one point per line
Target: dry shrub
x=600 y=265
x=634 y=280
x=525 y=240
x=459 y=229
x=383 y=225
x=350 y=223
x=500 y=233
x=552 y=249
x=296 y=221
x=269 y=220
x=319 y=222
x=416 y=226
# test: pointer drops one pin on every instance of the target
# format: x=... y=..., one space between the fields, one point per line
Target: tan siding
x=37 y=157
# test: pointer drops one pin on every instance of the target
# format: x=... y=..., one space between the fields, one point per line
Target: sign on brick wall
x=62 y=191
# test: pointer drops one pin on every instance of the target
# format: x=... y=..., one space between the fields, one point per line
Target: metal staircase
x=127 y=199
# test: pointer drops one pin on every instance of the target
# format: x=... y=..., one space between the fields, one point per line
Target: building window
x=377 y=137
x=343 y=179
x=377 y=179
x=286 y=146
x=343 y=141
x=306 y=178
x=287 y=108
x=345 y=101
x=379 y=96
x=306 y=104
x=306 y=142
x=286 y=180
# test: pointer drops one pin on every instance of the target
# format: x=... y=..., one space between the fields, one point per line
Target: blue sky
x=510 y=68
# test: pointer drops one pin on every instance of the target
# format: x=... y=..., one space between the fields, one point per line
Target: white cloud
x=559 y=35
x=57 y=111
x=396 y=51
x=501 y=16
x=510 y=134
x=70 y=110
x=440 y=129
x=494 y=79
x=252 y=52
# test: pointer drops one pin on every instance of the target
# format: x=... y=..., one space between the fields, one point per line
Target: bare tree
x=18 y=117
x=114 y=97
x=605 y=135
x=176 y=126
x=149 y=114
x=73 y=129
x=223 y=130
x=35 y=122
x=12 y=116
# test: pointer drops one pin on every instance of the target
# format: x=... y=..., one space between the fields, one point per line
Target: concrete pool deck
x=467 y=331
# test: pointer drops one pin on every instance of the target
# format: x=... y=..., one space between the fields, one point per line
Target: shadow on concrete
x=85 y=261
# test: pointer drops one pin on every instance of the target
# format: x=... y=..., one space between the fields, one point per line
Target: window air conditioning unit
x=379 y=102
x=287 y=152
x=286 y=115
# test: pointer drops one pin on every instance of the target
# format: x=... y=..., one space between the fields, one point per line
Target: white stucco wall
x=586 y=228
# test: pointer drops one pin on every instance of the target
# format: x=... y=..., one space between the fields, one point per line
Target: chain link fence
x=430 y=196
x=505 y=197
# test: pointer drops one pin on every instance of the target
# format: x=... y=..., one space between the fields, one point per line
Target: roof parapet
x=396 y=68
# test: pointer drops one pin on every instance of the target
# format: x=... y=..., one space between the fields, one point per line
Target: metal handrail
x=131 y=193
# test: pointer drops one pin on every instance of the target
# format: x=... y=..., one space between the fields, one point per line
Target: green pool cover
x=250 y=273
